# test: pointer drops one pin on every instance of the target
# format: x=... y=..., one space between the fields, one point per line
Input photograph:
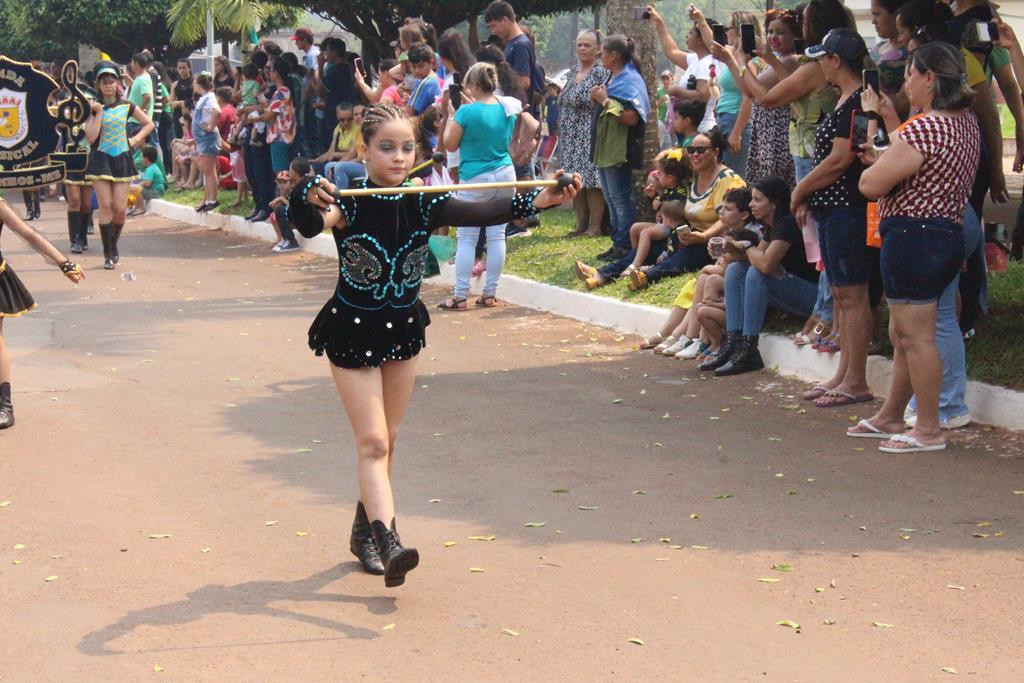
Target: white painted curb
x=989 y=404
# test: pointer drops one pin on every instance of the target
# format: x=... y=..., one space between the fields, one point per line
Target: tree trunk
x=620 y=20
x=474 y=34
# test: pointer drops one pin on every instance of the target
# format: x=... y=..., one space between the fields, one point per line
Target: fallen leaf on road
x=15 y=561
x=881 y=624
x=665 y=539
x=792 y=492
x=482 y=538
x=956 y=588
x=767 y=580
x=586 y=507
x=449 y=544
x=19 y=546
x=205 y=550
x=301 y=533
x=984 y=524
x=667 y=416
x=699 y=547
x=560 y=491
x=476 y=570
x=641 y=492
x=534 y=525
x=1018 y=493
x=829 y=622
x=722 y=496
x=434 y=500
x=159 y=535
x=388 y=627
x=979 y=535
x=4 y=503
x=695 y=516
x=905 y=537
x=635 y=641
x=157 y=668
x=510 y=632
x=616 y=401
x=271 y=522
x=636 y=540
x=948 y=670
x=787 y=623
x=782 y=567
x=303 y=450
x=51 y=579
x=675 y=547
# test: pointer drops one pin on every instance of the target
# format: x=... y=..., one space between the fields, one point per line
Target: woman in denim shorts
x=830 y=192
x=922 y=181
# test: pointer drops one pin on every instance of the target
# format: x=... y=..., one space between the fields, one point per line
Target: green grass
x=194 y=198
x=996 y=354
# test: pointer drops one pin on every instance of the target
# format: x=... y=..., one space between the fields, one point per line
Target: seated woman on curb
x=772 y=272
x=669 y=182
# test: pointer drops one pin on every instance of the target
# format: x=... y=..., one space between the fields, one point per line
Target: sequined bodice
x=383 y=250
x=113 y=136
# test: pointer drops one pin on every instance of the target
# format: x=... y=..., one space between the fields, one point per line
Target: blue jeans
x=737 y=162
x=802 y=166
x=920 y=257
x=617 y=185
x=749 y=292
x=612 y=270
x=261 y=176
x=683 y=260
x=344 y=173
x=465 y=250
x=842 y=236
x=824 y=308
x=949 y=340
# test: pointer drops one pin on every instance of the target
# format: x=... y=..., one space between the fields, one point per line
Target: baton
x=562 y=182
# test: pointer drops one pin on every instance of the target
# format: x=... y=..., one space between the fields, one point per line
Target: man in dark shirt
x=519 y=51
x=337 y=80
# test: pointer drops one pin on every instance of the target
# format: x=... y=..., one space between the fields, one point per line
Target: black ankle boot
x=74 y=220
x=725 y=350
x=746 y=358
x=107 y=235
x=398 y=560
x=6 y=408
x=362 y=544
x=118 y=227
x=90 y=229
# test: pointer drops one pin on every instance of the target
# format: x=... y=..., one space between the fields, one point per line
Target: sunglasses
x=697 y=150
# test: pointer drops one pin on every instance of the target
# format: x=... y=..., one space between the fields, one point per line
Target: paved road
x=186 y=403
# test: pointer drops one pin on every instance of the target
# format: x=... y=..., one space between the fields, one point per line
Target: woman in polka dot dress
x=373 y=327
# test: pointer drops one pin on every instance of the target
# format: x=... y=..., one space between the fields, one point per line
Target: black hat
x=104 y=67
x=844 y=42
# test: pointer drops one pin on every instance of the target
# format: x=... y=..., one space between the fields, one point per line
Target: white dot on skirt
x=357 y=321
x=389 y=326
x=369 y=353
x=410 y=320
x=334 y=310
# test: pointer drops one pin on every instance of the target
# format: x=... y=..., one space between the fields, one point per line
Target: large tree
x=376 y=22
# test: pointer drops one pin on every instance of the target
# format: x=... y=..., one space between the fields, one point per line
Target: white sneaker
x=692 y=350
x=678 y=346
x=910 y=419
x=277 y=245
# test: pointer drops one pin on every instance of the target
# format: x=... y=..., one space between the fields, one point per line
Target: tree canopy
x=376 y=22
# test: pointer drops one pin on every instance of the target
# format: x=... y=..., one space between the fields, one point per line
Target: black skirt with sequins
x=356 y=338
x=15 y=299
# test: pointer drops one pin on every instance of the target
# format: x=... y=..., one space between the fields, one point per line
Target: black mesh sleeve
x=458 y=212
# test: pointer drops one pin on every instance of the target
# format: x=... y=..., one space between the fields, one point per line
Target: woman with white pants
x=481 y=131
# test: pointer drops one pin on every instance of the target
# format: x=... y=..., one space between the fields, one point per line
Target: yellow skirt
x=685 y=297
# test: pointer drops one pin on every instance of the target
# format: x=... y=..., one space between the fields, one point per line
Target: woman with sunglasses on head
x=111 y=166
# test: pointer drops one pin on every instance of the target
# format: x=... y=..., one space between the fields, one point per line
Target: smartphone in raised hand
x=748 y=38
x=871 y=80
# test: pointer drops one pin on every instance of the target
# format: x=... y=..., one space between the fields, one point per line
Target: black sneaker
x=260 y=217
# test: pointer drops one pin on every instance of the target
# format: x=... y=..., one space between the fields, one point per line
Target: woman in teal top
x=481 y=130
x=111 y=166
x=734 y=108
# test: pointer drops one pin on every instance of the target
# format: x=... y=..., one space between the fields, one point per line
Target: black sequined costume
x=376 y=314
x=15 y=299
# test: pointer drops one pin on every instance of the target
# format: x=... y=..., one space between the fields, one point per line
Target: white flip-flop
x=872 y=432
x=914 y=446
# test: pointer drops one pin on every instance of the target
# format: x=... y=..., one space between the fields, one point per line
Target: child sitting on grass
x=672 y=217
x=684 y=336
x=286 y=182
x=152 y=183
x=670 y=181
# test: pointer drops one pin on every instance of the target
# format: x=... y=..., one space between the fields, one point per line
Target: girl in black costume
x=15 y=300
x=373 y=327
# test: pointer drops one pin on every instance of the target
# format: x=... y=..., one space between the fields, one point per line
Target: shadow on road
x=252 y=598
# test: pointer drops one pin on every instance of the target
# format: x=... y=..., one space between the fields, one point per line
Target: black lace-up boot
x=725 y=350
x=746 y=358
x=398 y=560
x=362 y=544
x=6 y=408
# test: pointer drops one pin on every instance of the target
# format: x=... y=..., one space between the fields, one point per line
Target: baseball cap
x=303 y=33
x=844 y=42
x=105 y=67
x=666 y=72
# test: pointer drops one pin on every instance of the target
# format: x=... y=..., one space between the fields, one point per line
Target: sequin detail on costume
x=113 y=138
x=364 y=265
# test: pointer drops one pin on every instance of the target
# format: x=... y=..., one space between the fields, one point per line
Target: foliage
x=376 y=22
x=187 y=18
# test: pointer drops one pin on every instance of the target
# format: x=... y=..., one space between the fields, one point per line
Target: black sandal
x=487 y=301
x=452 y=304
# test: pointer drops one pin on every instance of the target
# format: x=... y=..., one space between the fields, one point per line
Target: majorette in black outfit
x=15 y=299
x=375 y=315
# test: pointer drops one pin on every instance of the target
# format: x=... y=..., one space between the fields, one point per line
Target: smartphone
x=718 y=32
x=871 y=80
x=641 y=14
x=799 y=45
x=455 y=90
x=358 y=63
x=748 y=40
x=988 y=31
x=859 y=130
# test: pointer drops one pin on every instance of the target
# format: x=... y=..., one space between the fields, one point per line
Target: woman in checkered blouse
x=922 y=182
